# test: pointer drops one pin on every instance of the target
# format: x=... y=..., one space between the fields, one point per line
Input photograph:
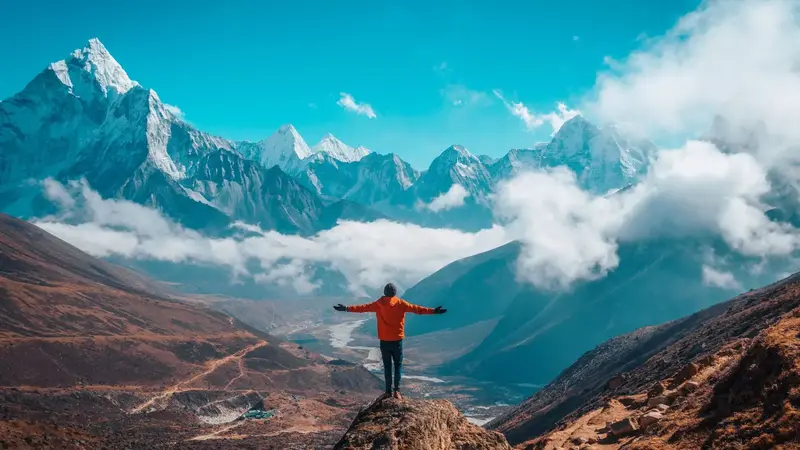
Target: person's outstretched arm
x=367 y=307
x=416 y=309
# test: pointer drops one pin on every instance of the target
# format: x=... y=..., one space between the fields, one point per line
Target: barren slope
x=90 y=346
x=726 y=377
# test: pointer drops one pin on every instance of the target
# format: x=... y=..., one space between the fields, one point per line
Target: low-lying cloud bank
x=366 y=254
x=453 y=198
x=569 y=234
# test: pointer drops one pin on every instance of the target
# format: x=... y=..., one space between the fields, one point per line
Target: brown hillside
x=727 y=377
x=91 y=348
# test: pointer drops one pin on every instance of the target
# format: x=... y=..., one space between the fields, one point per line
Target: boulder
x=623 y=427
x=656 y=390
x=689 y=386
x=650 y=418
x=417 y=425
x=660 y=400
x=685 y=374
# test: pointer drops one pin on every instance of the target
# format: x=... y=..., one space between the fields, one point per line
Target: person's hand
x=340 y=307
x=439 y=310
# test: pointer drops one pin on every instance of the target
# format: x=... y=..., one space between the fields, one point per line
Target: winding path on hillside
x=210 y=367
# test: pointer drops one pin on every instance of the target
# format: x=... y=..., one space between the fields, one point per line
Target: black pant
x=392 y=351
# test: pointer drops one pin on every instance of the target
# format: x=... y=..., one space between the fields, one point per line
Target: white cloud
x=736 y=58
x=532 y=120
x=349 y=103
x=175 y=111
x=720 y=279
x=453 y=198
x=117 y=227
x=569 y=234
x=56 y=192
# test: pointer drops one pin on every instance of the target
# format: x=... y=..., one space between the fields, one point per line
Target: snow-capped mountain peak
x=456 y=154
x=285 y=148
x=95 y=61
x=339 y=150
x=603 y=158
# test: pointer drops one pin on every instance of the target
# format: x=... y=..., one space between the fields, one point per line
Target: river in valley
x=479 y=401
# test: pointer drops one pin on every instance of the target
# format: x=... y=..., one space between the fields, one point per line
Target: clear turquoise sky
x=240 y=69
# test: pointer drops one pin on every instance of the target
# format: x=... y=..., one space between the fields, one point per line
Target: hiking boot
x=397 y=395
x=384 y=396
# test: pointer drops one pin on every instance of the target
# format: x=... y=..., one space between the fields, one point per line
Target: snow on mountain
x=380 y=178
x=602 y=158
x=245 y=190
x=285 y=148
x=339 y=150
x=456 y=165
x=94 y=64
x=84 y=118
x=516 y=161
x=371 y=180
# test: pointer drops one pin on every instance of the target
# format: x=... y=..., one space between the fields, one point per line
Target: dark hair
x=390 y=290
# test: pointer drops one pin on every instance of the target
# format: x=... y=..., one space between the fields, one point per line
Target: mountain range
x=84 y=117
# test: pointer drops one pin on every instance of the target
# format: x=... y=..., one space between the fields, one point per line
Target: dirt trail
x=210 y=367
x=242 y=372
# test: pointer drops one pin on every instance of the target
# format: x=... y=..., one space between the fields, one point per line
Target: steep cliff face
x=417 y=425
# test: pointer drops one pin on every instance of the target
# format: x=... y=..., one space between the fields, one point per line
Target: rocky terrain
x=95 y=356
x=417 y=425
x=726 y=377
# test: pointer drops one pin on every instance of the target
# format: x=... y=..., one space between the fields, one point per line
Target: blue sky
x=240 y=69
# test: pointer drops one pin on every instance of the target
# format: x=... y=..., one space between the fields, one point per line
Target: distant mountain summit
x=338 y=150
x=285 y=149
x=602 y=158
x=84 y=118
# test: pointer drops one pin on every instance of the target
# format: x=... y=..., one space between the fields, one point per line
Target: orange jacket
x=391 y=315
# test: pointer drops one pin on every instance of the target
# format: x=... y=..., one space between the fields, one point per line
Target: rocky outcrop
x=733 y=382
x=666 y=364
x=417 y=425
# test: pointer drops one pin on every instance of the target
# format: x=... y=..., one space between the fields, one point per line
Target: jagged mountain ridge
x=83 y=117
x=604 y=159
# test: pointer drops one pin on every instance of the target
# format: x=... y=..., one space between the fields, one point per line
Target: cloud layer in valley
x=569 y=234
x=104 y=227
x=453 y=198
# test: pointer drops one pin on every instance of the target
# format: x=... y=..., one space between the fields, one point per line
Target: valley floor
x=479 y=401
x=190 y=413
